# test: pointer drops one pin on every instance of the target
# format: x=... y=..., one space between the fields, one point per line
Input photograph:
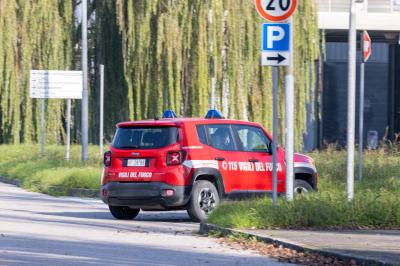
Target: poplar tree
x=35 y=34
x=166 y=59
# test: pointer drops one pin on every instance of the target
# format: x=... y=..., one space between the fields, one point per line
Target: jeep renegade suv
x=192 y=163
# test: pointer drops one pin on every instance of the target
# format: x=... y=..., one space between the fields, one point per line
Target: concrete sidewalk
x=369 y=247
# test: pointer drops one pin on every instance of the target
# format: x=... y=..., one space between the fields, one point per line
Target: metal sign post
x=85 y=94
x=42 y=124
x=277 y=50
x=67 y=152
x=275 y=83
x=101 y=108
x=351 y=102
x=366 y=50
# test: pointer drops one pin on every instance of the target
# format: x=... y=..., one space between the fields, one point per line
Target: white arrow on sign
x=275 y=58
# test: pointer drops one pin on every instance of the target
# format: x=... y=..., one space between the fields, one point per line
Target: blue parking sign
x=275 y=37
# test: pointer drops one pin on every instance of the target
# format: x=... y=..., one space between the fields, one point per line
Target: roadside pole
x=42 y=125
x=275 y=84
x=212 y=104
x=212 y=96
x=68 y=129
x=101 y=133
x=361 y=123
x=351 y=102
x=85 y=95
x=289 y=105
x=366 y=50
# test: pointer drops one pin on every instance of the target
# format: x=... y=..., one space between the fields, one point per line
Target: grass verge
x=52 y=174
x=376 y=203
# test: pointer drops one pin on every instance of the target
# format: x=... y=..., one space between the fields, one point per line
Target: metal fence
x=370 y=6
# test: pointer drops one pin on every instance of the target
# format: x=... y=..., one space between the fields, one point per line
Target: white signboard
x=56 y=84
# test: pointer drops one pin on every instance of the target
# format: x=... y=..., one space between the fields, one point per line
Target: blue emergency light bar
x=169 y=114
x=215 y=114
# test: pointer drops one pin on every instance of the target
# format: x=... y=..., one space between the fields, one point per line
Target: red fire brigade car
x=193 y=163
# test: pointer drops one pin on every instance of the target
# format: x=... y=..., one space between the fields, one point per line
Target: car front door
x=224 y=149
x=255 y=144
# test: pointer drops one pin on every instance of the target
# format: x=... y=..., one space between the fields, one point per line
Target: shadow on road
x=43 y=251
x=148 y=216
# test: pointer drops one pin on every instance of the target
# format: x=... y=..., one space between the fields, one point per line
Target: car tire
x=301 y=187
x=203 y=201
x=123 y=212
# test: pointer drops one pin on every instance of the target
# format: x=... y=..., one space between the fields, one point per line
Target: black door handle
x=253 y=160
x=219 y=159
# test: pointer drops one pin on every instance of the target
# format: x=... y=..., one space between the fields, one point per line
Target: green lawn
x=52 y=174
x=376 y=203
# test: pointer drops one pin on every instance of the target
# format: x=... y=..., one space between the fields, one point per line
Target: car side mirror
x=270 y=147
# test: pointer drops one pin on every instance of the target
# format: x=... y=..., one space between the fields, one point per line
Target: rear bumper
x=144 y=195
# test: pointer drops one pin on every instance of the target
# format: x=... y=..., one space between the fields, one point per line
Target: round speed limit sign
x=276 y=10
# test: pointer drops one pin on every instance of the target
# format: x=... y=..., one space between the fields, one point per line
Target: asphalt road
x=37 y=229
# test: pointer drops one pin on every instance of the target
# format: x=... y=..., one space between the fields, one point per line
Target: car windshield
x=144 y=137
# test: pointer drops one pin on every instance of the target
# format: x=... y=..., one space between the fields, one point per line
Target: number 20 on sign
x=276 y=10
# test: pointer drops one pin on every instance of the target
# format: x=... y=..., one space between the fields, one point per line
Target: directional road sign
x=275 y=44
x=276 y=10
x=367 y=46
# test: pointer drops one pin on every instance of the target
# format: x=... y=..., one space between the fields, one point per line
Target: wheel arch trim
x=210 y=172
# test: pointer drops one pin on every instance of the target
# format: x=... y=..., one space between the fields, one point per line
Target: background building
x=381 y=18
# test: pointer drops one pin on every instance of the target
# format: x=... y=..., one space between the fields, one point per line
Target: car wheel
x=301 y=187
x=123 y=212
x=203 y=201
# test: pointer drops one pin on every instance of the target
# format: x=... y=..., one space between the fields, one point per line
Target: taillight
x=107 y=158
x=175 y=157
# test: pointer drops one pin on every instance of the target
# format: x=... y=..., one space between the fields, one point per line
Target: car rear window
x=144 y=137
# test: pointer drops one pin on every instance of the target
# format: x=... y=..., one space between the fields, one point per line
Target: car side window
x=221 y=137
x=201 y=132
x=253 y=139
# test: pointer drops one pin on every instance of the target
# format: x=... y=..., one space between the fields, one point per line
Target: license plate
x=136 y=162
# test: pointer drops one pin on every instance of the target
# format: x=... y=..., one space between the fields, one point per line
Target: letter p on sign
x=275 y=34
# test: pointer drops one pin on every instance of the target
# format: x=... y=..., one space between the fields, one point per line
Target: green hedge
x=52 y=174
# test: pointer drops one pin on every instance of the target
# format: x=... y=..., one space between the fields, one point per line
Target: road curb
x=206 y=229
x=10 y=181
x=73 y=192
